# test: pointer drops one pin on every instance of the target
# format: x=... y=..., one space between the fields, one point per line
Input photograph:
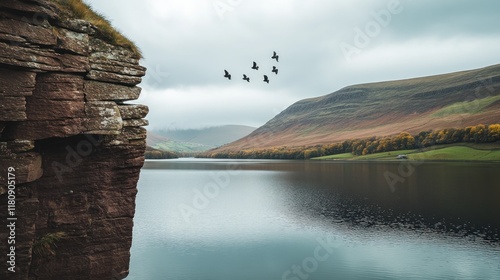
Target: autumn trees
x=152 y=153
x=403 y=141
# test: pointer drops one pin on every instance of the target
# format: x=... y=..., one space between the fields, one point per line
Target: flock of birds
x=256 y=67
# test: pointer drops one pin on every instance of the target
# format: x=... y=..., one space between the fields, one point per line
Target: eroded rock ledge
x=76 y=146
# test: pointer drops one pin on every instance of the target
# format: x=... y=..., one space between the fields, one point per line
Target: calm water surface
x=232 y=220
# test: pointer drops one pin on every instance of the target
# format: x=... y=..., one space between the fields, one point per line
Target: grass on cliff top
x=106 y=31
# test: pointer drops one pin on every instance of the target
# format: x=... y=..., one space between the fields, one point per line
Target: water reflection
x=461 y=199
x=268 y=216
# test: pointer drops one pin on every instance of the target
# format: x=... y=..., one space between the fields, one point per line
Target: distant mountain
x=166 y=144
x=211 y=136
x=153 y=139
x=152 y=153
x=196 y=140
x=381 y=109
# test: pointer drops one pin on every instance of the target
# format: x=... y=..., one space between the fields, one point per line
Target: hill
x=166 y=144
x=210 y=136
x=382 y=109
x=153 y=139
x=196 y=140
x=152 y=153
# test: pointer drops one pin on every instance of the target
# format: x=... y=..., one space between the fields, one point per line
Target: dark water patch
x=269 y=218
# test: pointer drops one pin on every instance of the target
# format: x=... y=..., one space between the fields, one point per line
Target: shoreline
x=441 y=153
x=406 y=160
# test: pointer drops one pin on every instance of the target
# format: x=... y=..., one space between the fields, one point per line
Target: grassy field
x=467 y=107
x=458 y=153
x=465 y=152
x=339 y=156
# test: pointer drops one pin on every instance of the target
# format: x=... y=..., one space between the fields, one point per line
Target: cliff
x=71 y=147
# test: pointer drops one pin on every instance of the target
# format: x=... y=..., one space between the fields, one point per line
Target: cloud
x=412 y=57
x=187 y=45
x=448 y=18
x=198 y=107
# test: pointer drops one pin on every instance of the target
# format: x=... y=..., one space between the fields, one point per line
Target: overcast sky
x=323 y=47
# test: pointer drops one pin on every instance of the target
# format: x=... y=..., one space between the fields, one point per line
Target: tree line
x=152 y=153
x=404 y=141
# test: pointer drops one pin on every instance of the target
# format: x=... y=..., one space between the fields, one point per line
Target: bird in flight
x=275 y=70
x=246 y=78
x=255 y=66
x=275 y=56
x=227 y=75
x=266 y=79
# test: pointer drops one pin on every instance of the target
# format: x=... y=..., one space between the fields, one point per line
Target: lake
x=266 y=220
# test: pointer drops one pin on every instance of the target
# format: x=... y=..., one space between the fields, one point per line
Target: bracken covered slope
x=70 y=149
x=361 y=111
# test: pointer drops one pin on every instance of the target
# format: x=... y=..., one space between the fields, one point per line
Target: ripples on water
x=360 y=213
x=271 y=215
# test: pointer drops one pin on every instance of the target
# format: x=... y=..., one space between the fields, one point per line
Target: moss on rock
x=105 y=31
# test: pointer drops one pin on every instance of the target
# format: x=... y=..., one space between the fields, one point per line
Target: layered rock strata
x=71 y=147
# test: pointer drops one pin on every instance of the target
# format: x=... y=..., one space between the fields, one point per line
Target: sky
x=323 y=46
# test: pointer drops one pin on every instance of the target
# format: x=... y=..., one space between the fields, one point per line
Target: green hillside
x=453 y=100
x=455 y=152
x=458 y=153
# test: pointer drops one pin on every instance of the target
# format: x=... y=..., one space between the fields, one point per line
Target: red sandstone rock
x=30 y=33
x=60 y=87
x=133 y=111
x=113 y=77
x=37 y=130
x=39 y=109
x=28 y=168
x=72 y=41
x=135 y=123
x=16 y=83
x=95 y=91
x=12 y=108
x=34 y=9
x=20 y=146
x=14 y=86
x=42 y=59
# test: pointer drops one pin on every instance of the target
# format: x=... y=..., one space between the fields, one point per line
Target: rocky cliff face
x=70 y=147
